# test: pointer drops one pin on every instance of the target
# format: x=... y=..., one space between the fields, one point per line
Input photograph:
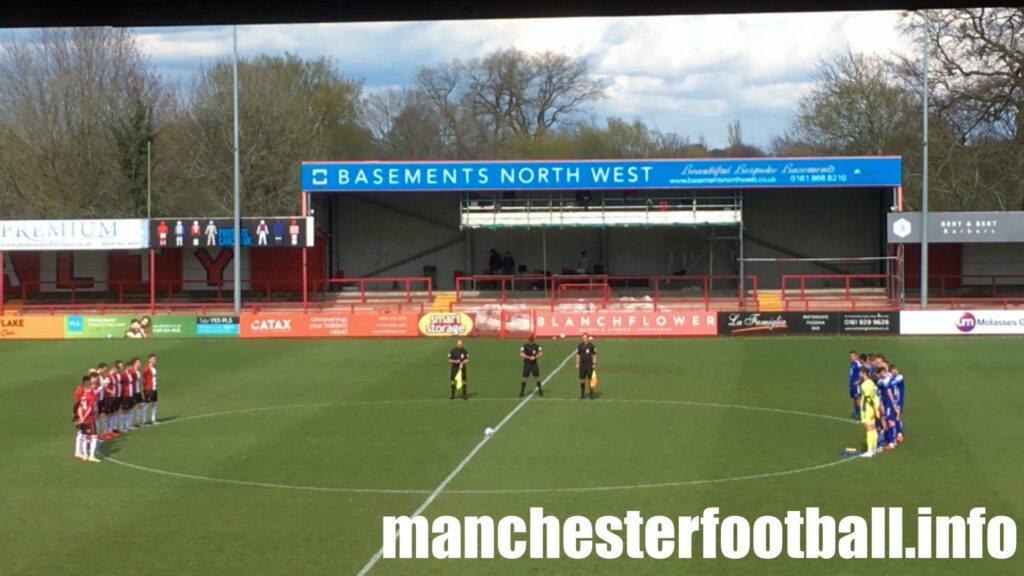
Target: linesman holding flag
x=458 y=357
x=586 y=365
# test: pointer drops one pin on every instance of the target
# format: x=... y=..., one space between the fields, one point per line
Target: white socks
x=79 y=450
x=92 y=446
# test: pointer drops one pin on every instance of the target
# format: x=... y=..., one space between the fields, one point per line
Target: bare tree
x=977 y=91
x=483 y=102
x=76 y=106
x=290 y=110
x=404 y=124
x=856 y=107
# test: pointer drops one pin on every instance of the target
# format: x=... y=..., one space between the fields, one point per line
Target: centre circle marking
x=624 y=487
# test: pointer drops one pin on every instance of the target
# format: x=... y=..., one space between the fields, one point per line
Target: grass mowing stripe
x=451 y=476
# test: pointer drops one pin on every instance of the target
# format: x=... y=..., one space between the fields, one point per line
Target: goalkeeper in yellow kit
x=870 y=407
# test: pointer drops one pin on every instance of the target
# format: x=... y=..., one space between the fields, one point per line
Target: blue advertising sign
x=601 y=174
x=217 y=326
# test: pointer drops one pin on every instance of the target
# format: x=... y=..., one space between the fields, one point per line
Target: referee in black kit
x=586 y=361
x=458 y=358
x=530 y=352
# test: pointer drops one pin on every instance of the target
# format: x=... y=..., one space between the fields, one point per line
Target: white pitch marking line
x=451 y=476
x=658 y=485
x=267 y=484
x=330 y=489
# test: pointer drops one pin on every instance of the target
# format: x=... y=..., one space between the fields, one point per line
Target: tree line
x=87 y=125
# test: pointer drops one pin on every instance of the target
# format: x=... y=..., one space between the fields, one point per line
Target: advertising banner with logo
x=106 y=326
x=448 y=324
x=626 y=323
x=101 y=234
x=775 y=323
x=173 y=326
x=216 y=326
x=886 y=322
x=129 y=327
x=328 y=325
x=31 y=327
x=600 y=174
x=962 y=322
x=268 y=231
x=957 y=227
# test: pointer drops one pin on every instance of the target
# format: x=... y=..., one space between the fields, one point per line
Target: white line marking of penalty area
x=455 y=472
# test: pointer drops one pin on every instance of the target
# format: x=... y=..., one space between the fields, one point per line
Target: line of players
x=530 y=352
x=878 y=391
x=112 y=400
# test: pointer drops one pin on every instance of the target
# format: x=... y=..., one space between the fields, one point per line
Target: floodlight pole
x=149 y=218
x=924 y=170
x=238 y=223
x=149 y=179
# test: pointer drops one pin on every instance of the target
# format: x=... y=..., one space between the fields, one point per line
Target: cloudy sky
x=688 y=74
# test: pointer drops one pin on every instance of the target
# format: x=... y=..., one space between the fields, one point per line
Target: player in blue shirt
x=899 y=393
x=888 y=408
x=854 y=383
x=869 y=362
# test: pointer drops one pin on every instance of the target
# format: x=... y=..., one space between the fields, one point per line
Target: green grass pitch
x=375 y=415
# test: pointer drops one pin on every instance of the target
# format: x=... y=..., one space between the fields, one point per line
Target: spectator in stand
x=583 y=199
x=583 y=264
x=508 y=264
x=494 y=262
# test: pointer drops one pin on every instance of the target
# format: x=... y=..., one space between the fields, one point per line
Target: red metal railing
x=661 y=288
x=799 y=292
x=824 y=282
x=947 y=284
x=420 y=287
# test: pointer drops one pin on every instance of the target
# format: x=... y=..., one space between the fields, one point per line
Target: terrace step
x=770 y=301
x=442 y=302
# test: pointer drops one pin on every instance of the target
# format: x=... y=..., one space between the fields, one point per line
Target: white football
x=561 y=335
x=488 y=431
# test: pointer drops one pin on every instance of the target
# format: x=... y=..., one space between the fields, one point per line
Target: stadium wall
x=813 y=224
x=180 y=268
x=980 y=260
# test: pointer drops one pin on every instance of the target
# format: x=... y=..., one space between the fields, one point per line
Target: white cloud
x=680 y=70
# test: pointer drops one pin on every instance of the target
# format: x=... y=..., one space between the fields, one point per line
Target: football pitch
x=282 y=457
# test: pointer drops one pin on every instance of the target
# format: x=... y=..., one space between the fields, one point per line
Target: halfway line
x=451 y=476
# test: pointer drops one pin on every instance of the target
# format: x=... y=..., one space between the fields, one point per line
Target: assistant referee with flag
x=586 y=364
x=457 y=359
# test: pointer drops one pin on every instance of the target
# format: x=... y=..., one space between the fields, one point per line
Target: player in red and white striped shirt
x=85 y=420
x=124 y=398
x=137 y=401
x=149 y=385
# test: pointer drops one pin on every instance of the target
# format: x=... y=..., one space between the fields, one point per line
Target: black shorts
x=455 y=370
x=531 y=369
x=586 y=372
x=151 y=396
x=126 y=403
x=137 y=398
x=87 y=429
